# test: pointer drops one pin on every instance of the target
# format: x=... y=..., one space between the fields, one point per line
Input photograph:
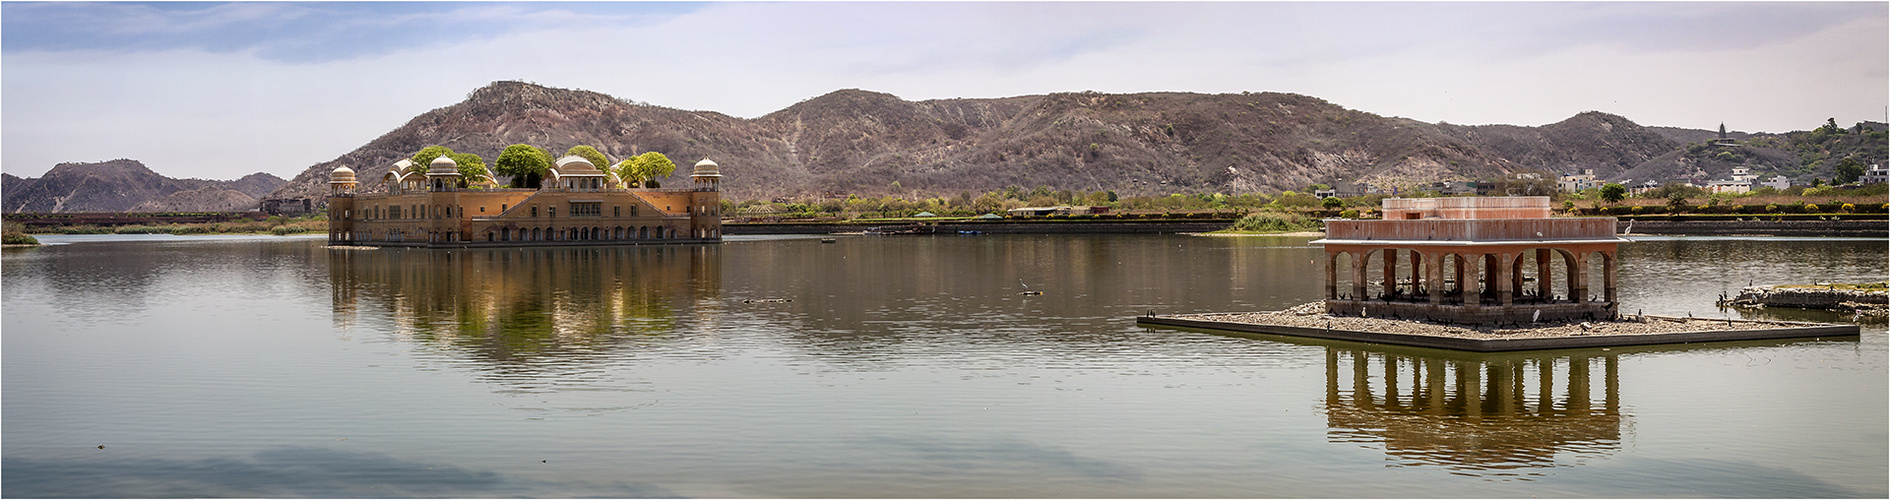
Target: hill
x=125 y=185
x=856 y=141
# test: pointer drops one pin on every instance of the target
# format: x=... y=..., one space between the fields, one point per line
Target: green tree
x=1331 y=202
x=525 y=164
x=657 y=165
x=424 y=158
x=1847 y=171
x=472 y=168
x=590 y=154
x=1676 y=202
x=644 y=169
x=1613 y=193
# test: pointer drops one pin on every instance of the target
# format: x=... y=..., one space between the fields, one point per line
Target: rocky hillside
x=127 y=185
x=855 y=141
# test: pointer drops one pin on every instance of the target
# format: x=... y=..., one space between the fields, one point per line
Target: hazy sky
x=221 y=90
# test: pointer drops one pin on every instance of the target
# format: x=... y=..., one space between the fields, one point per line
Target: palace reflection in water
x=524 y=305
x=1477 y=414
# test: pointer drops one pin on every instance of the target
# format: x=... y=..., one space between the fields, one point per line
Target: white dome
x=443 y=165
x=575 y=163
x=706 y=168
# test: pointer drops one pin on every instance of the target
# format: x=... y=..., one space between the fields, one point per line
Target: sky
x=221 y=90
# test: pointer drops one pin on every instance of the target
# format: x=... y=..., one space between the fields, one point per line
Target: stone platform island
x=1481 y=274
x=1311 y=320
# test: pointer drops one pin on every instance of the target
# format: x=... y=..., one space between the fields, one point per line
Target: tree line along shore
x=1257 y=213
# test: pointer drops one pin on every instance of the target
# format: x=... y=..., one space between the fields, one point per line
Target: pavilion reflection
x=523 y=305
x=1477 y=414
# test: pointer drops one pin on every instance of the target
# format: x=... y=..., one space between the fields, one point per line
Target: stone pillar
x=1574 y=274
x=1578 y=279
x=1332 y=274
x=1543 y=274
x=1506 y=268
x=1515 y=276
x=1391 y=273
x=1607 y=277
x=1417 y=271
x=1358 y=274
x=1434 y=276
x=1466 y=281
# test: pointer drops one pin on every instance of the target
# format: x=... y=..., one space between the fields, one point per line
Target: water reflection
x=520 y=306
x=1487 y=414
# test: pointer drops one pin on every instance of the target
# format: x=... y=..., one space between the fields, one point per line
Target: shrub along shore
x=273 y=225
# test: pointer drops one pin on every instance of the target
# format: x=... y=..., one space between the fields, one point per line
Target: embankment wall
x=1848 y=228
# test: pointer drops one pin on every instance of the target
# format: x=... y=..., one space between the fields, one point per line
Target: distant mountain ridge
x=871 y=143
x=127 y=185
x=862 y=142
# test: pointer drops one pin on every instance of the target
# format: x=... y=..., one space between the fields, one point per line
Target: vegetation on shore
x=13 y=233
x=1273 y=223
x=274 y=225
x=1610 y=200
x=1846 y=201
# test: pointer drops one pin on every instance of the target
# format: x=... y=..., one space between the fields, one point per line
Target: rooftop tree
x=527 y=165
x=645 y=168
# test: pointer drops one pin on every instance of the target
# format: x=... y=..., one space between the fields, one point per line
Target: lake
x=883 y=367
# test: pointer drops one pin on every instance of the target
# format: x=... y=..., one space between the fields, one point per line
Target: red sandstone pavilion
x=1471 y=260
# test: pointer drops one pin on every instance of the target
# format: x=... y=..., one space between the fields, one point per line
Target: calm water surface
x=882 y=367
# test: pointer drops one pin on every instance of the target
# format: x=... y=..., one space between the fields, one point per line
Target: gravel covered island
x=1313 y=315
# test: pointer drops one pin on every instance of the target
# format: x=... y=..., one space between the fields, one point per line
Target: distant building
x=1570 y=183
x=289 y=207
x=1723 y=140
x=1778 y=182
x=1350 y=189
x=578 y=205
x=1449 y=188
x=1644 y=186
x=1876 y=174
x=1325 y=193
x=1729 y=186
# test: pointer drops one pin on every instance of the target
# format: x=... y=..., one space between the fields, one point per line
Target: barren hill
x=123 y=185
x=855 y=141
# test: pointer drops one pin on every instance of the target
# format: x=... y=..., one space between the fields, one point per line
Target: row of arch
x=1461 y=276
x=619 y=233
x=510 y=234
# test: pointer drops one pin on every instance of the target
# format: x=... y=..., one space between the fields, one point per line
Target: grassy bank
x=15 y=234
x=273 y=225
x=1273 y=223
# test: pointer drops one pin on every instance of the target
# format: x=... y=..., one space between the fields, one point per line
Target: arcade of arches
x=1510 y=270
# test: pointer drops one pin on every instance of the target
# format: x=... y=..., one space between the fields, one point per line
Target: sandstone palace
x=577 y=205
